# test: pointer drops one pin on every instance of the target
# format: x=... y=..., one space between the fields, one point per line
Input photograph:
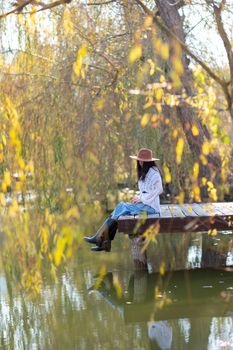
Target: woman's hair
x=143 y=170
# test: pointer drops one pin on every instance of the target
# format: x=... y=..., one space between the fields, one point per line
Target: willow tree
x=85 y=86
x=159 y=37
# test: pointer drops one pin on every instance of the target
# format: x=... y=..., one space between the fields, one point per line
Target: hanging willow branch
x=224 y=84
x=165 y=29
x=21 y=4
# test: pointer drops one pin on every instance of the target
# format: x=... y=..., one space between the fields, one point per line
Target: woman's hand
x=135 y=200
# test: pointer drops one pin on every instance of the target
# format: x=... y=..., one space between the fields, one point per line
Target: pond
x=129 y=310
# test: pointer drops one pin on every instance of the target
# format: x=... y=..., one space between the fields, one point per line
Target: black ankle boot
x=105 y=246
x=102 y=234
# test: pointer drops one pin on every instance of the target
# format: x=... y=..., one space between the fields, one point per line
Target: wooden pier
x=175 y=218
x=196 y=217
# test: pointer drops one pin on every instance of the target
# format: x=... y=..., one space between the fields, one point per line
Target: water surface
x=179 y=310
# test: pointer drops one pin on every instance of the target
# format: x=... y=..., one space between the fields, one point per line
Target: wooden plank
x=228 y=204
x=200 y=210
x=225 y=209
x=211 y=209
x=148 y=216
x=176 y=211
x=126 y=217
x=165 y=211
x=188 y=210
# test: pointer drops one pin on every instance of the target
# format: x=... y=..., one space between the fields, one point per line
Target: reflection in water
x=160 y=333
x=180 y=310
x=187 y=251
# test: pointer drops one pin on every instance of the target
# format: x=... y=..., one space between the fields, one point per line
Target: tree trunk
x=186 y=115
x=199 y=333
x=138 y=253
x=212 y=254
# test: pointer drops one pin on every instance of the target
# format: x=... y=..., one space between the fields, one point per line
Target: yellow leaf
x=50 y=219
x=158 y=107
x=21 y=163
x=213 y=194
x=179 y=150
x=210 y=184
x=61 y=243
x=117 y=286
x=7 y=178
x=157 y=45
x=135 y=53
x=206 y=148
x=4 y=139
x=145 y=119
x=195 y=170
x=203 y=159
x=67 y=22
x=159 y=94
x=195 y=130
x=152 y=66
x=82 y=51
x=18 y=186
x=203 y=181
x=162 y=269
x=149 y=103
x=4 y=187
x=167 y=174
x=196 y=193
x=178 y=66
x=99 y=104
x=212 y=191
x=44 y=239
x=181 y=197
x=148 y=21
x=175 y=79
x=213 y=232
x=162 y=78
x=164 y=53
x=14 y=208
x=102 y=273
x=72 y=213
x=77 y=66
x=2 y=200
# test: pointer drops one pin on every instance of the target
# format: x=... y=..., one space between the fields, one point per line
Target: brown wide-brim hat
x=144 y=155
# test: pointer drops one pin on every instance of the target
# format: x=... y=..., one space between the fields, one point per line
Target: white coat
x=150 y=188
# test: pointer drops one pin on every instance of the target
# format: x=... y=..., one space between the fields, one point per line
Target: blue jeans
x=124 y=208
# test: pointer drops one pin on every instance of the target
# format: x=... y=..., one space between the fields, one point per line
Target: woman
x=150 y=187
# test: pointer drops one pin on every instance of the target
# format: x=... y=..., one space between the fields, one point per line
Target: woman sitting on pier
x=150 y=187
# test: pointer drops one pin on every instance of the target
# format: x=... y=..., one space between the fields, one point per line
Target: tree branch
x=54 y=4
x=27 y=53
x=145 y=8
x=23 y=4
x=100 y=3
x=165 y=29
x=52 y=77
x=223 y=35
x=17 y=9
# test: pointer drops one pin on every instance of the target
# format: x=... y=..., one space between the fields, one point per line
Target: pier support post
x=138 y=254
x=140 y=286
x=214 y=253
